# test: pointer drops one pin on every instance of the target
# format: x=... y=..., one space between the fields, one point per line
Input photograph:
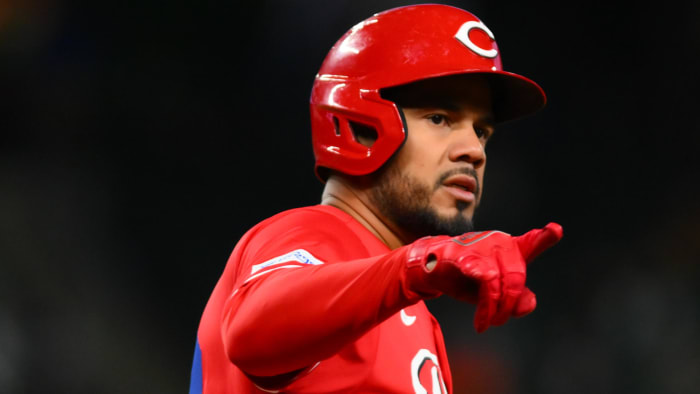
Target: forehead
x=470 y=90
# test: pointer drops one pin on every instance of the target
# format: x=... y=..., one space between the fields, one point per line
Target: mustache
x=462 y=170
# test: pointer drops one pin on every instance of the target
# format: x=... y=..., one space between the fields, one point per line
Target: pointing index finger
x=534 y=242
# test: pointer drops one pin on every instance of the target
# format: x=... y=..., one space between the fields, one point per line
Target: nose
x=467 y=147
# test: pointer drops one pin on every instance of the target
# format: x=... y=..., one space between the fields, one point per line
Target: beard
x=406 y=202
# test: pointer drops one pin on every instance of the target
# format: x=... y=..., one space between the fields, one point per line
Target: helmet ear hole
x=336 y=126
x=363 y=134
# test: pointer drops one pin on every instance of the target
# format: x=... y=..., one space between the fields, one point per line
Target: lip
x=461 y=186
x=461 y=181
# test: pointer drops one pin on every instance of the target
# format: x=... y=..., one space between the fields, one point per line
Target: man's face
x=434 y=183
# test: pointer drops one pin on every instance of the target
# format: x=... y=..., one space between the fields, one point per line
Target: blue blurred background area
x=139 y=141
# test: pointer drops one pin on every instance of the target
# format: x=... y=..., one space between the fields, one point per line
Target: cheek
x=412 y=160
x=480 y=172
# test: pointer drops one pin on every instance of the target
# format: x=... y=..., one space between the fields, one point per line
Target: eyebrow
x=429 y=102
x=448 y=105
x=489 y=119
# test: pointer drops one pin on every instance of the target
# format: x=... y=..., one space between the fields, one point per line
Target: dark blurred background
x=140 y=140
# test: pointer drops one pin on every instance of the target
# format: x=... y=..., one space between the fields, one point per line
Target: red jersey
x=313 y=291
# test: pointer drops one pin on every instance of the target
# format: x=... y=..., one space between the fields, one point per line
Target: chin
x=460 y=208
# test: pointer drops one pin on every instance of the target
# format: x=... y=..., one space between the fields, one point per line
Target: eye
x=437 y=119
x=482 y=132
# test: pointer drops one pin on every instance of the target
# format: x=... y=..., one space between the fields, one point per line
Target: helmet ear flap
x=357 y=137
x=363 y=134
x=345 y=130
x=354 y=131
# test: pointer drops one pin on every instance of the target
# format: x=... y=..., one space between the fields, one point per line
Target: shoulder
x=315 y=214
x=299 y=237
x=319 y=222
x=325 y=232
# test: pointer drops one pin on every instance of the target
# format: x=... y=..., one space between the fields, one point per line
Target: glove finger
x=477 y=268
x=453 y=281
x=536 y=241
x=489 y=293
x=475 y=271
x=526 y=303
x=512 y=286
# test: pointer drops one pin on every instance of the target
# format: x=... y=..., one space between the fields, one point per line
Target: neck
x=355 y=201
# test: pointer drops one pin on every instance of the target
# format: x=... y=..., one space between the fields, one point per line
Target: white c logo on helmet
x=463 y=36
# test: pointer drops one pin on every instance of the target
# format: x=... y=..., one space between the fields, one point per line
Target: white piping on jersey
x=270 y=270
x=267 y=391
x=315 y=365
x=304 y=374
x=298 y=255
x=479 y=239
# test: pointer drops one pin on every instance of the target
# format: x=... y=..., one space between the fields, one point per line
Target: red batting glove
x=482 y=268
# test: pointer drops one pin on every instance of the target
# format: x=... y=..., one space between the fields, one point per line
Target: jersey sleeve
x=287 y=244
x=302 y=294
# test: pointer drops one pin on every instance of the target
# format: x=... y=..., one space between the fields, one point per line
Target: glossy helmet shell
x=394 y=48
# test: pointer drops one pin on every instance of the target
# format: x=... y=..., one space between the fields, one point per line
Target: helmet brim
x=514 y=96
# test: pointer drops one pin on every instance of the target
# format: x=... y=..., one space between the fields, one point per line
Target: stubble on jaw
x=406 y=202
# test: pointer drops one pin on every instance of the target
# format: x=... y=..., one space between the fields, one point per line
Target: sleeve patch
x=299 y=255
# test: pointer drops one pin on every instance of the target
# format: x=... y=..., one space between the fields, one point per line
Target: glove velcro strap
x=418 y=253
x=416 y=270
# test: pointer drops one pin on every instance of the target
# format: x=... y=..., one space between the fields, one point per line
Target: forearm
x=294 y=318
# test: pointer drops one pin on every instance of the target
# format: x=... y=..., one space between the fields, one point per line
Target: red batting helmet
x=393 y=48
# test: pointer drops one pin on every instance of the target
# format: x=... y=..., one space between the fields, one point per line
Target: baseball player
x=329 y=298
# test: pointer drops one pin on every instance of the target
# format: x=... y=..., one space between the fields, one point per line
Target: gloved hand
x=482 y=268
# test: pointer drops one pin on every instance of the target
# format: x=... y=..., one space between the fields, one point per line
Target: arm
x=292 y=318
